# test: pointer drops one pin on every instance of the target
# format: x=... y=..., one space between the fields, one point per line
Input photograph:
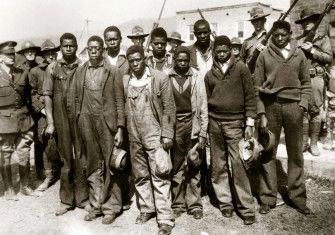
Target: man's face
x=222 y=53
x=7 y=59
x=235 y=50
x=136 y=62
x=30 y=54
x=50 y=56
x=95 y=50
x=158 y=45
x=307 y=25
x=138 y=41
x=182 y=62
x=203 y=33
x=68 y=48
x=112 y=40
x=174 y=44
x=281 y=37
x=258 y=24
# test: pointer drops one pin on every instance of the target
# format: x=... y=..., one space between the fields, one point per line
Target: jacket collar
x=273 y=49
x=216 y=68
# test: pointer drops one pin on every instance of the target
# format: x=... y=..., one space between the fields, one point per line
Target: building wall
x=226 y=18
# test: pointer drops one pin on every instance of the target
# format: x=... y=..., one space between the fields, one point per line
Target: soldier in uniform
x=27 y=55
x=319 y=54
x=159 y=58
x=45 y=148
x=15 y=121
x=175 y=41
x=73 y=184
x=257 y=19
x=138 y=36
x=236 y=48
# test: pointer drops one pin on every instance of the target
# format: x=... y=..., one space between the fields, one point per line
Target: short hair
x=96 y=38
x=181 y=49
x=201 y=22
x=68 y=36
x=282 y=24
x=158 y=32
x=112 y=29
x=222 y=40
x=135 y=49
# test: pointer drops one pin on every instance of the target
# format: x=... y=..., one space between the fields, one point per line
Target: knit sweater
x=231 y=94
x=284 y=78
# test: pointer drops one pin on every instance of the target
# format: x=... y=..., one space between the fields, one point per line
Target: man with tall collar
x=283 y=89
x=159 y=58
x=257 y=19
x=73 y=185
x=319 y=54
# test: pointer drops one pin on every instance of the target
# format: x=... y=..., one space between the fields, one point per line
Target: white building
x=231 y=21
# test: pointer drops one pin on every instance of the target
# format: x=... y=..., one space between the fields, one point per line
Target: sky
x=35 y=18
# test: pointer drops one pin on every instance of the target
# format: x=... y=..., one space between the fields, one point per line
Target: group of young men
x=163 y=108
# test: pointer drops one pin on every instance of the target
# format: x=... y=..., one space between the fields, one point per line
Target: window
x=191 y=33
x=240 y=29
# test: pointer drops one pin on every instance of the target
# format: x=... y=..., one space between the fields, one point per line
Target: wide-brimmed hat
x=46 y=46
x=267 y=140
x=163 y=162
x=119 y=159
x=175 y=36
x=8 y=47
x=136 y=32
x=193 y=156
x=257 y=13
x=236 y=41
x=306 y=14
x=250 y=151
x=28 y=45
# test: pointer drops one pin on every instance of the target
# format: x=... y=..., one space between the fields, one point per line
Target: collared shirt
x=286 y=51
x=181 y=82
x=159 y=64
x=113 y=60
x=204 y=61
x=225 y=66
x=94 y=76
x=143 y=81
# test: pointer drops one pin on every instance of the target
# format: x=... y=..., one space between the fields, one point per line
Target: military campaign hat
x=8 y=47
x=137 y=31
x=175 y=36
x=28 y=45
x=307 y=14
x=46 y=46
x=257 y=13
x=236 y=41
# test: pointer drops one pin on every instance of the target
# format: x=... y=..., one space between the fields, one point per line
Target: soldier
x=45 y=148
x=27 y=55
x=258 y=19
x=151 y=113
x=284 y=87
x=73 y=184
x=231 y=107
x=138 y=36
x=236 y=48
x=319 y=54
x=15 y=121
x=175 y=41
x=159 y=58
x=99 y=108
x=191 y=128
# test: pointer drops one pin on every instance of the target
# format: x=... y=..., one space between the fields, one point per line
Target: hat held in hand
x=250 y=151
x=119 y=159
x=163 y=162
x=193 y=156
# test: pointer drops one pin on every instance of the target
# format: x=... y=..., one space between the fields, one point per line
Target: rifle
x=202 y=16
x=155 y=25
x=311 y=34
x=252 y=61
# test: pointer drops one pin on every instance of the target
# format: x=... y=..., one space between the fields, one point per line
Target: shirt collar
x=63 y=62
x=145 y=75
x=96 y=66
x=288 y=47
x=260 y=34
x=188 y=74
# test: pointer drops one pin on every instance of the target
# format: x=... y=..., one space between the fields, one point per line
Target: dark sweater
x=231 y=94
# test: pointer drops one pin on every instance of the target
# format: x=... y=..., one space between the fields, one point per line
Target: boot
x=305 y=132
x=10 y=193
x=47 y=181
x=315 y=130
x=24 y=178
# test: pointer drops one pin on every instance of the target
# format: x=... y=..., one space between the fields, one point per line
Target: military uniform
x=250 y=45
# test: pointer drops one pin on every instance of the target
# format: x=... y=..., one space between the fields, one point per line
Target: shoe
x=197 y=214
x=305 y=211
x=27 y=191
x=62 y=210
x=126 y=207
x=264 y=209
x=10 y=195
x=47 y=181
x=248 y=220
x=228 y=213
x=164 y=229
x=177 y=213
x=108 y=219
x=144 y=217
x=90 y=216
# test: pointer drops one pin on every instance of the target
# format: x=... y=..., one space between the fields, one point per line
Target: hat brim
x=138 y=36
x=259 y=17
x=41 y=52
x=177 y=39
x=29 y=48
x=236 y=44
x=300 y=21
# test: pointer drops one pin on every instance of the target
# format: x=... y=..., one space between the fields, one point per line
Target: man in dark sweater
x=231 y=107
x=284 y=87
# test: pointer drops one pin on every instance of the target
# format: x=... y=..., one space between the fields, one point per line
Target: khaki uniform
x=250 y=45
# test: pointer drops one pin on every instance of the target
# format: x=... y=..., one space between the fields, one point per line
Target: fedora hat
x=306 y=14
x=46 y=46
x=175 y=36
x=7 y=47
x=136 y=32
x=257 y=13
x=119 y=159
x=193 y=156
x=28 y=45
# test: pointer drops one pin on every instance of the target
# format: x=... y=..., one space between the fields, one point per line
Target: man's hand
x=167 y=143
x=307 y=46
x=118 y=140
x=263 y=124
x=248 y=132
x=202 y=142
x=260 y=47
x=50 y=130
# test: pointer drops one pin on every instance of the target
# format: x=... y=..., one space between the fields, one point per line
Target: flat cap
x=236 y=41
x=7 y=47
